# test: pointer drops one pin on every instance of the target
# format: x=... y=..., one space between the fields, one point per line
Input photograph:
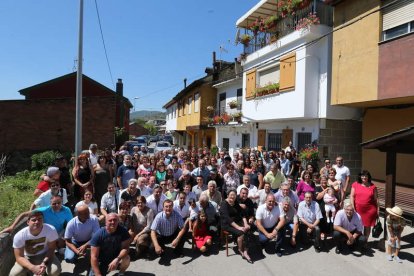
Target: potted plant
x=245 y=39
x=225 y=118
x=306 y=22
x=237 y=116
x=210 y=109
x=233 y=104
x=217 y=120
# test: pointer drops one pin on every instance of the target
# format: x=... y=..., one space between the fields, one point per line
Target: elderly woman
x=232 y=221
x=231 y=180
x=364 y=199
x=142 y=218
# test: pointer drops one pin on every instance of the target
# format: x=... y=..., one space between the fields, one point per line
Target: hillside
x=147 y=115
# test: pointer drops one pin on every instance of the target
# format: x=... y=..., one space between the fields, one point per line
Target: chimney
x=214 y=58
x=185 y=83
x=120 y=88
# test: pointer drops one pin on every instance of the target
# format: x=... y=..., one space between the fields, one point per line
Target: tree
x=151 y=128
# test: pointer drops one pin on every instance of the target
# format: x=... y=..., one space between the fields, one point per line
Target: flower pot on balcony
x=232 y=105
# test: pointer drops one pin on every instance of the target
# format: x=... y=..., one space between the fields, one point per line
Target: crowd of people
x=149 y=201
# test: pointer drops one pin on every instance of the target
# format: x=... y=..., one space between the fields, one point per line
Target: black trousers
x=340 y=239
x=315 y=234
x=163 y=240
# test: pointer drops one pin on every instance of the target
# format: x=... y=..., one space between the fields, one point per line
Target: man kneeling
x=34 y=248
x=168 y=227
x=109 y=248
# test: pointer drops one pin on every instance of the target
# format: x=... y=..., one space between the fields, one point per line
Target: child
x=171 y=193
x=200 y=232
x=194 y=211
x=330 y=201
x=395 y=225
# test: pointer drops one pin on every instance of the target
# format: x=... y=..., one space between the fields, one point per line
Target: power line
x=103 y=42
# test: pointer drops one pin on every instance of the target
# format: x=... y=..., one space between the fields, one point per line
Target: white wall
x=171 y=118
x=230 y=88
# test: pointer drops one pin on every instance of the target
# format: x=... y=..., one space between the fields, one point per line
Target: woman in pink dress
x=364 y=198
x=305 y=185
x=200 y=232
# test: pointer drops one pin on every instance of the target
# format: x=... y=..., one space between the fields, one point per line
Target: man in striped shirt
x=168 y=227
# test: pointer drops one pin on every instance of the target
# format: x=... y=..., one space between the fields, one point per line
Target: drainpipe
x=120 y=94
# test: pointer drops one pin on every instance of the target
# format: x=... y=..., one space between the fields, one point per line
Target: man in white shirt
x=342 y=173
x=44 y=199
x=253 y=195
x=34 y=248
x=93 y=157
x=156 y=200
x=181 y=206
x=309 y=214
x=270 y=223
x=348 y=227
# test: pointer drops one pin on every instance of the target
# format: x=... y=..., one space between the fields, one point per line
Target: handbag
x=377 y=229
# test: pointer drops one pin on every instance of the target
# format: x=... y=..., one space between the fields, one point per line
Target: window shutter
x=397 y=14
x=250 y=84
x=287 y=72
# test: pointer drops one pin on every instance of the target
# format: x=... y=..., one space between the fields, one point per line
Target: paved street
x=305 y=261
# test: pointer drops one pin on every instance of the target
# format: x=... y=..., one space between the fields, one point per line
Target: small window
x=304 y=138
x=226 y=143
x=190 y=104
x=274 y=141
x=396 y=31
x=245 y=140
x=239 y=98
x=196 y=102
x=222 y=103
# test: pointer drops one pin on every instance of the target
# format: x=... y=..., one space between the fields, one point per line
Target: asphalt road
x=293 y=262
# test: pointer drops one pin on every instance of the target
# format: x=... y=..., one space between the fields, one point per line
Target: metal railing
x=287 y=25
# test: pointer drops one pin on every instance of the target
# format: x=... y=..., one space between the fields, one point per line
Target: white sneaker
x=389 y=257
x=397 y=259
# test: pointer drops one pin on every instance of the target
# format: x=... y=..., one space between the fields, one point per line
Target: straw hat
x=395 y=211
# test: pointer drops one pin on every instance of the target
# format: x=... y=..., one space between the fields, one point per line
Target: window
x=196 y=102
x=245 y=140
x=268 y=76
x=226 y=143
x=190 y=104
x=274 y=141
x=222 y=103
x=304 y=138
x=397 y=18
x=175 y=112
x=239 y=98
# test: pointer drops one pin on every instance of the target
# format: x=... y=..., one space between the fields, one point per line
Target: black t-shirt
x=110 y=245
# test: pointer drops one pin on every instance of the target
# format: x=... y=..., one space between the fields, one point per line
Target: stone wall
x=7 y=259
x=342 y=137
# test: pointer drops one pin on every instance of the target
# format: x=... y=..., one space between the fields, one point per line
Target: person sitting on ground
x=270 y=223
x=395 y=226
x=212 y=193
x=348 y=227
x=233 y=222
x=201 y=233
x=142 y=218
x=291 y=219
x=109 y=248
x=53 y=175
x=89 y=202
x=168 y=227
x=109 y=201
x=55 y=214
x=44 y=199
x=309 y=215
x=78 y=233
x=130 y=194
x=34 y=248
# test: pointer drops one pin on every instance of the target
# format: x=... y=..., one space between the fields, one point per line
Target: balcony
x=224 y=116
x=260 y=31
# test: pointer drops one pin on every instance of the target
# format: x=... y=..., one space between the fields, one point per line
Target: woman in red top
x=364 y=198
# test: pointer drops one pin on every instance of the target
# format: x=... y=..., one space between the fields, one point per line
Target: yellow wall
x=207 y=97
x=379 y=122
x=355 y=52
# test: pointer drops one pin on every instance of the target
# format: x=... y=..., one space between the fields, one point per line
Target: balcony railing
x=287 y=25
x=224 y=116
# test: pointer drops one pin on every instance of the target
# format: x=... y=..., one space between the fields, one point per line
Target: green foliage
x=213 y=150
x=44 y=159
x=120 y=135
x=16 y=195
x=140 y=121
x=151 y=129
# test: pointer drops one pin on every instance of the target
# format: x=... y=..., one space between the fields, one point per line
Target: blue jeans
x=70 y=256
x=280 y=236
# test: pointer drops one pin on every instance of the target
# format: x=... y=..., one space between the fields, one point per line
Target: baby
x=330 y=201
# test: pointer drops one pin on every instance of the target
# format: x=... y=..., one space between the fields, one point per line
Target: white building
x=298 y=60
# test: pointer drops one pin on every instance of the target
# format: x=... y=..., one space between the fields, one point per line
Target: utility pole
x=78 y=124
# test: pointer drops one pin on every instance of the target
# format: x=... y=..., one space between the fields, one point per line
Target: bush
x=41 y=161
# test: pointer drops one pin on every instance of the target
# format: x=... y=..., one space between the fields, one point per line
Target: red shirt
x=43 y=186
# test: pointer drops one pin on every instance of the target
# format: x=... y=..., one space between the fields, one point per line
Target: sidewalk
x=292 y=263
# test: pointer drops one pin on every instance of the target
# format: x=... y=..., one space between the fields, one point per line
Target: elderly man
x=291 y=219
x=201 y=170
x=212 y=193
x=186 y=178
x=109 y=248
x=44 y=199
x=156 y=200
x=146 y=191
x=52 y=176
x=34 y=248
x=270 y=223
x=285 y=191
x=211 y=210
x=263 y=193
x=78 y=233
x=253 y=193
x=348 y=227
x=168 y=227
x=309 y=214
x=275 y=177
x=130 y=194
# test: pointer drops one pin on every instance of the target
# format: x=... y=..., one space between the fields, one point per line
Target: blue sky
x=152 y=45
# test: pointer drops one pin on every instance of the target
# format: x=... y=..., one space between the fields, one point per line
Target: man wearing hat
x=348 y=227
x=395 y=225
x=53 y=175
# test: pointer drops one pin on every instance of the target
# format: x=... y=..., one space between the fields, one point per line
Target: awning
x=400 y=141
x=263 y=9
